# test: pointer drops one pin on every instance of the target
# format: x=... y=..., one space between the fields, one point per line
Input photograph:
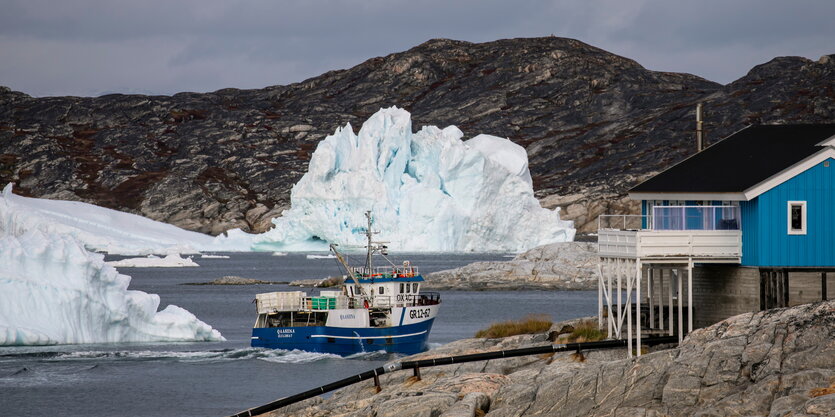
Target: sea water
x=221 y=378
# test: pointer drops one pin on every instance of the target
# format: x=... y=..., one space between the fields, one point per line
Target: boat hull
x=406 y=339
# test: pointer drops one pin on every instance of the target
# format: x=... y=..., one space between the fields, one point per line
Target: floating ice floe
x=321 y=257
x=428 y=191
x=53 y=291
x=98 y=228
x=170 y=261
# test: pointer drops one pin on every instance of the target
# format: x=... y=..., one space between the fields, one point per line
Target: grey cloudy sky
x=92 y=47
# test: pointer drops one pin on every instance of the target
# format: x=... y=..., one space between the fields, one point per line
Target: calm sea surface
x=220 y=378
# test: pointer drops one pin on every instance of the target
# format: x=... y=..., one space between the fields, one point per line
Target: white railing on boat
x=299 y=301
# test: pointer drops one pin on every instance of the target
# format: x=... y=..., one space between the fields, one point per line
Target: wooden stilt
x=599 y=295
x=639 y=274
x=670 y=307
x=628 y=310
x=680 y=309
x=609 y=299
x=762 y=290
x=649 y=297
x=690 y=296
x=620 y=300
x=786 y=302
x=661 y=299
x=823 y=286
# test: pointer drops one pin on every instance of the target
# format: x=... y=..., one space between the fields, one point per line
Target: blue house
x=745 y=225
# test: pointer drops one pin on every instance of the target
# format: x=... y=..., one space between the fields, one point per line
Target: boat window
x=415 y=287
x=408 y=288
x=382 y=290
x=401 y=288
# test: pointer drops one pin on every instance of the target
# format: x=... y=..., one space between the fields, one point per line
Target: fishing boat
x=376 y=309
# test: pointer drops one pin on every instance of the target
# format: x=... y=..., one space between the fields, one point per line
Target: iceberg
x=99 y=228
x=54 y=291
x=428 y=191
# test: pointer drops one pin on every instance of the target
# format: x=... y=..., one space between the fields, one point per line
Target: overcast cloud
x=92 y=47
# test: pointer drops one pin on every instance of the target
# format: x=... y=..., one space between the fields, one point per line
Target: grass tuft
x=528 y=325
x=585 y=331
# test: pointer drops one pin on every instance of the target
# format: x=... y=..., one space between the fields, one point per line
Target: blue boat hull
x=406 y=339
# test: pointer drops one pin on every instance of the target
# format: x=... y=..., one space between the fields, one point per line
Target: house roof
x=743 y=161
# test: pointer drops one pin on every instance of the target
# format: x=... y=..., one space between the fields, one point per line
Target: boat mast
x=368 y=265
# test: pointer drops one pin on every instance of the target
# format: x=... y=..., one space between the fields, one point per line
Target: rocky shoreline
x=558 y=266
x=777 y=362
x=235 y=280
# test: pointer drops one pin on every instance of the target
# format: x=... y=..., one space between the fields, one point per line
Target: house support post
x=639 y=272
x=776 y=290
x=785 y=288
x=600 y=294
x=762 y=290
x=609 y=298
x=690 y=296
x=620 y=298
x=680 y=306
x=649 y=297
x=661 y=299
x=670 y=306
x=628 y=310
x=823 y=286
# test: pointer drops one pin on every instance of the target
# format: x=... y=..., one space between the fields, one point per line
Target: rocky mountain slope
x=593 y=123
x=771 y=363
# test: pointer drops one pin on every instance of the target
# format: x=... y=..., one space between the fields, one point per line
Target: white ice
x=53 y=291
x=99 y=228
x=170 y=261
x=428 y=191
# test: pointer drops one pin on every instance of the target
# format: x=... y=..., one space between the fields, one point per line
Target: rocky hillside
x=774 y=363
x=593 y=123
x=557 y=266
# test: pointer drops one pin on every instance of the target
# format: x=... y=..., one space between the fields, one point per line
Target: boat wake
x=209 y=356
x=269 y=355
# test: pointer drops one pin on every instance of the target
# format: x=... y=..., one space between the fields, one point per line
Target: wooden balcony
x=704 y=233
x=707 y=245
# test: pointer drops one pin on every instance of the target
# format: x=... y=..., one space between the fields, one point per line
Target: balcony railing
x=704 y=232
x=675 y=218
x=695 y=218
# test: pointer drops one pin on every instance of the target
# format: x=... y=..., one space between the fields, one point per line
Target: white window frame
x=803 y=218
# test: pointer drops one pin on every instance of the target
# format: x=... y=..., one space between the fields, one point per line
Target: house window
x=797 y=217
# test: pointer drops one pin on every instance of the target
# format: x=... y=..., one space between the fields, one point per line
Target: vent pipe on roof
x=699 y=142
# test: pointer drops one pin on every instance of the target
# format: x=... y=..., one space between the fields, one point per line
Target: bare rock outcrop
x=593 y=124
x=778 y=362
x=564 y=266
